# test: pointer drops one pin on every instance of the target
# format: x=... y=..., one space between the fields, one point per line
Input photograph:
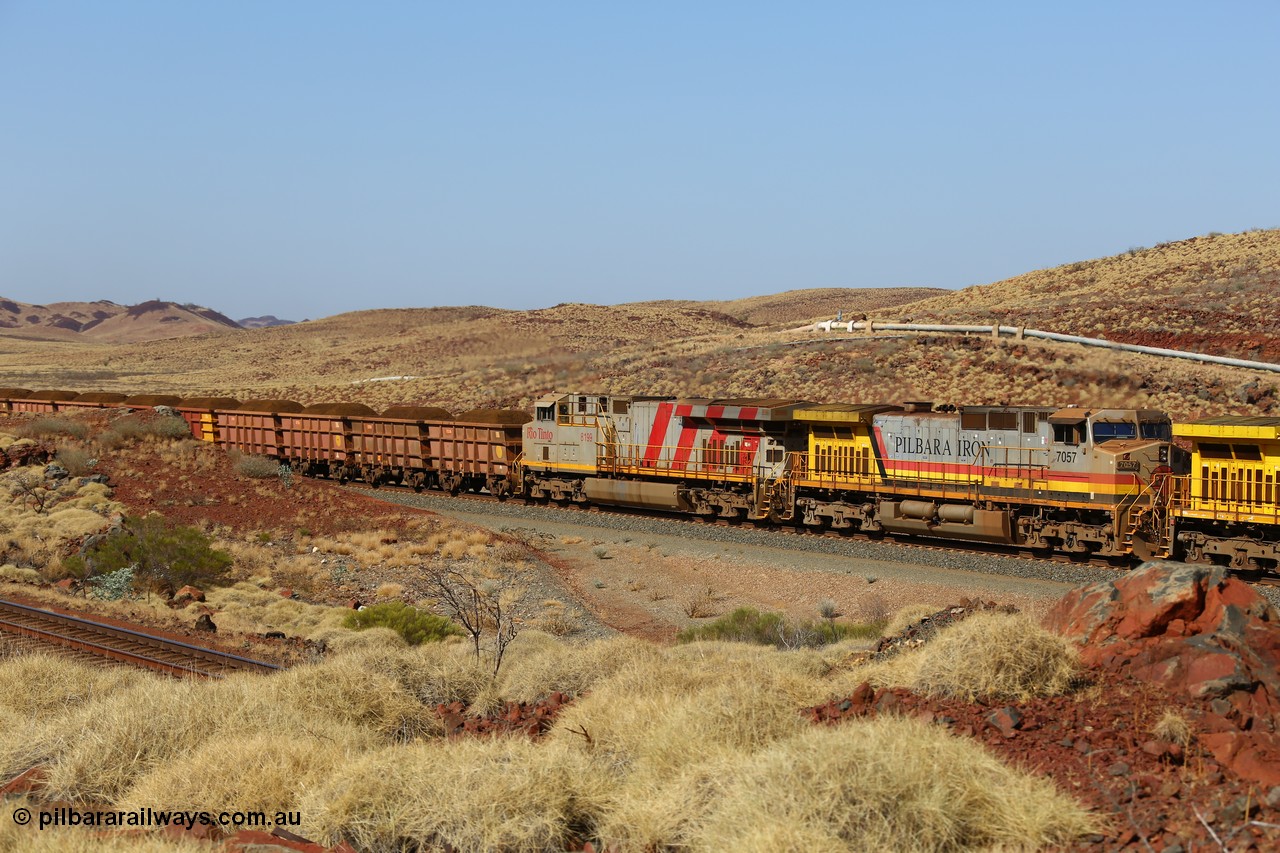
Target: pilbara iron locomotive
x=1092 y=482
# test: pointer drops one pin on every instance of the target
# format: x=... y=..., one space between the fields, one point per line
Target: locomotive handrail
x=632 y=458
x=1242 y=508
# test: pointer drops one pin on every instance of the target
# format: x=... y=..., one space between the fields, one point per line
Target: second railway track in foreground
x=92 y=640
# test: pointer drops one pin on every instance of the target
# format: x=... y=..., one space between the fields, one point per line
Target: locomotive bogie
x=1248 y=550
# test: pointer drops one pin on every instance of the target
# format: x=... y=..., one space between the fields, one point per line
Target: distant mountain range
x=263 y=322
x=107 y=322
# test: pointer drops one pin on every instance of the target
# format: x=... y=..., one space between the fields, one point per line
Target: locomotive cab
x=1135 y=445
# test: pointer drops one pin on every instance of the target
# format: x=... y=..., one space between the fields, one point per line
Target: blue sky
x=304 y=159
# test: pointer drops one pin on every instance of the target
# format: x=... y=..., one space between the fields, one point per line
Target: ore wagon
x=477 y=450
x=318 y=440
x=254 y=427
x=394 y=447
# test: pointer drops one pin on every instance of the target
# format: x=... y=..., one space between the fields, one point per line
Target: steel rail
x=130 y=646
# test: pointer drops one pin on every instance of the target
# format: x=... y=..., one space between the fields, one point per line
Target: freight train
x=1090 y=482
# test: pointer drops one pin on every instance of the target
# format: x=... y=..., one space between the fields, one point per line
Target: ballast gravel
x=756 y=567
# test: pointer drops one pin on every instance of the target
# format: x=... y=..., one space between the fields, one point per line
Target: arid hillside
x=107 y=322
x=466 y=357
x=799 y=306
x=1218 y=294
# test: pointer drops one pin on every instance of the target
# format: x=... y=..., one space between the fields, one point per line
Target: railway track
x=904 y=542
x=89 y=640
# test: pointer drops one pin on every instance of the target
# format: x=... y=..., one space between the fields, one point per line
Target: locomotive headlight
x=1164 y=453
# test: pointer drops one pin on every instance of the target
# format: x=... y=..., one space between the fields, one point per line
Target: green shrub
x=163 y=556
x=111 y=586
x=414 y=625
x=748 y=625
x=45 y=427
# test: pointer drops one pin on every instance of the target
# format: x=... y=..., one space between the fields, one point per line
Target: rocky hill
x=1215 y=293
x=1219 y=293
x=799 y=306
x=263 y=322
x=107 y=322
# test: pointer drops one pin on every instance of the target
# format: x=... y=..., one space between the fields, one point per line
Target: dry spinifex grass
x=698 y=746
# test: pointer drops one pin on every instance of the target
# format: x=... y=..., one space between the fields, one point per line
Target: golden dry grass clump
x=698 y=747
x=13 y=574
x=99 y=749
x=433 y=673
x=987 y=655
x=38 y=522
x=498 y=793
x=996 y=656
x=906 y=617
x=883 y=784
x=249 y=609
x=535 y=670
x=270 y=772
x=1173 y=727
x=37 y=684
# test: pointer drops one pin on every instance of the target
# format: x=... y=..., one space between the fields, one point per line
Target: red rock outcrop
x=1195 y=631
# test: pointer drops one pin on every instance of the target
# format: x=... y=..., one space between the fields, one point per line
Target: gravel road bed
x=779 y=562
x=519 y=514
x=516 y=514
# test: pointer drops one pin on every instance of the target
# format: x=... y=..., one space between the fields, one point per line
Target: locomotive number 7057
x=1067 y=455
